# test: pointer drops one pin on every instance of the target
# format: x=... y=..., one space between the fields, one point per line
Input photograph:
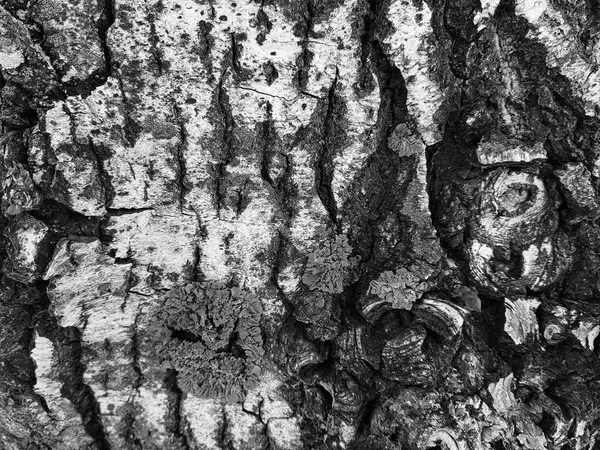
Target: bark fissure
x=306 y=56
x=324 y=163
x=311 y=95
x=224 y=440
x=182 y=146
x=124 y=211
x=104 y=177
x=130 y=132
x=235 y=54
x=136 y=352
x=227 y=142
x=243 y=88
x=176 y=421
x=154 y=40
x=37 y=35
x=107 y=20
x=265 y=142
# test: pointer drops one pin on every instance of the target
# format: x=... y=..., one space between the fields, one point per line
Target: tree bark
x=312 y=224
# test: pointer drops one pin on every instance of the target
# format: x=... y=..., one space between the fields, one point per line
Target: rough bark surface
x=299 y=224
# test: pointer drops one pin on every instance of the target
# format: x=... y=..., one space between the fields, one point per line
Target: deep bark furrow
x=324 y=164
x=176 y=427
x=226 y=143
x=181 y=149
x=108 y=19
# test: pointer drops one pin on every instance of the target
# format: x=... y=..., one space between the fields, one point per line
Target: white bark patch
x=290 y=108
x=285 y=433
x=266 y=400
x=88 y=291
x=203 y=421
x=561 y=41
x=245 y=429
x=145 y=174
x=89 y=294
x=532 y=10
x=29 y=235
x=488 y=9
x=339 y=49
x=161 y=243
x=155 y=404
x=80 y=171
x=521 y=321
x=502 y=394
x=586 y=333
x=10 y=56
x=347 y=432
x=411 y=49
x=493 y=152
x=69 y=427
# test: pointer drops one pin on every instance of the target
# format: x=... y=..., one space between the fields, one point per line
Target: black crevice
x=131 y=129
x=100 y=155
x=227 y=140
x=154 y=40
x=181 y=162
x=224 y=439
x=235 y=54
x=324 y=164
x=304 y=60
x=175 y=420
x=107 y=20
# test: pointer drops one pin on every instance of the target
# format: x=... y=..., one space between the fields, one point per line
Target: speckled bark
x=312 y=224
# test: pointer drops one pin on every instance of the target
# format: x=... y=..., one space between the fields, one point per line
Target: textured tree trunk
x=300 y=224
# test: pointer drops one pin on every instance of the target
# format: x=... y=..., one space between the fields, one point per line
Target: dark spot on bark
x=270 y=72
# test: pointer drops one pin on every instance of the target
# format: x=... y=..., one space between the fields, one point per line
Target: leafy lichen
x=327 y=268
x=214 y=338
x=405 y=142
x=399 y=288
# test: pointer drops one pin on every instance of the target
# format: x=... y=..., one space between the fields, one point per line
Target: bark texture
x=299 y=224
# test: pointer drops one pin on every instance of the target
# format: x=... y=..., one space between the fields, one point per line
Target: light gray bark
x=299 y=224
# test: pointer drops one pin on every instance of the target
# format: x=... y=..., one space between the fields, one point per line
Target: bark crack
x=235 y=56
x=98 y=157
x=325 y=164
x=154 y=40
x=266 y=94
x=181 y=162
x=227 y=139
x=305 y=58
x=104 y=176
x=124 y=211
x=135 y=351
x=128 y=125
x=175 y=424
x=311 y=95
x=103 y=26
x=224 y=439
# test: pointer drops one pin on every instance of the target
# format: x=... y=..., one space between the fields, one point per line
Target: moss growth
x=327 y=268
x=214 y=339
